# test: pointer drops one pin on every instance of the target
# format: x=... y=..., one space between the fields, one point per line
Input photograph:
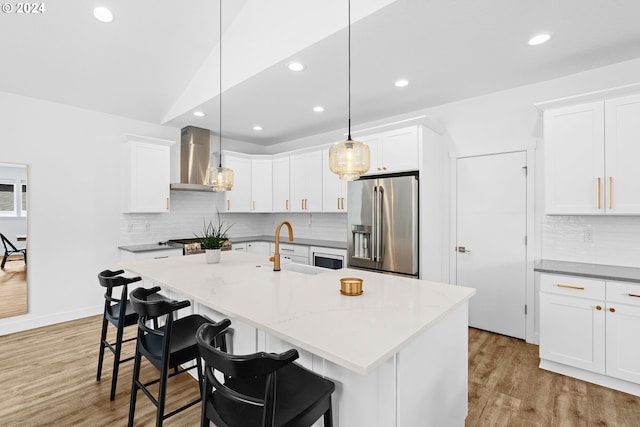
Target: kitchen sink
x=303 y=268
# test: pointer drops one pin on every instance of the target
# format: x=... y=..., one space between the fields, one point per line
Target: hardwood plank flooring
x=47 y=378
x=13 y=287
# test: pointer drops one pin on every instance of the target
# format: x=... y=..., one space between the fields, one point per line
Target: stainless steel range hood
x=194 y=159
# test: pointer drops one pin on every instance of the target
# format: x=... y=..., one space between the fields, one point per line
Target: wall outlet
x=588 y=236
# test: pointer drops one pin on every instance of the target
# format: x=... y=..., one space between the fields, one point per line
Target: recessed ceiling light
x=401 y=83
x=318 y=109
x=257 y=128
x=539 y=39
x=103 y=14
x=199 y=114
x=296 y=66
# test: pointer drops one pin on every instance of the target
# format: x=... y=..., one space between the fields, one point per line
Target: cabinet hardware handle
x=338 y=199
x=305 y=204
x=598 y=192
x=286 y=204
x=379 y=169
x=598 y=307
x=168 y=203
x=384 y=168
x=610 y=192
x=342 y=202
x=611 y=309
x=228 y=205
x=560 y=285
x=634 y=295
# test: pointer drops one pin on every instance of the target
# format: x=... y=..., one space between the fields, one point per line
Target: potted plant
x=212 y=239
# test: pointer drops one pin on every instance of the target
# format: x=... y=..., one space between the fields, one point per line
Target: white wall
x=73 y=157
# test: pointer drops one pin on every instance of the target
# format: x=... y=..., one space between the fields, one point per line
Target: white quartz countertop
x=356 y=332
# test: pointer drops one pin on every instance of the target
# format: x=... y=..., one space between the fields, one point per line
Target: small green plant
x=213 y=236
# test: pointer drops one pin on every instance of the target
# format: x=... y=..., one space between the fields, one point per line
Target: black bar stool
x=167 y=347
x=119 y=313
x=261 y=389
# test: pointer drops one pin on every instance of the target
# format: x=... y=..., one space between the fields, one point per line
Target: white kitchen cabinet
x=305 y=181
x=592 y=325
x=261 y=248
x=261 y=184
x=294 y=253
x=281 y=184
x=590 y=152
x=239 y=198
x=623 y=330
x=334 y=190
x=239 y=247
x=393 y=151
x=146 y=174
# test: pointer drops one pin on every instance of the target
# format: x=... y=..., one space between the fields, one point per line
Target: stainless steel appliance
x=194 y=159
x=328 y=258
x=383 y=224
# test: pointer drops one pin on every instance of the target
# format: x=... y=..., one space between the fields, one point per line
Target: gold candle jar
x=351 y=286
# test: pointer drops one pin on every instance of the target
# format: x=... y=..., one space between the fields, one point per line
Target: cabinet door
x=622 y=151
x=572 y=331
x=623 y=330
x=399 y=150
x=261 y=185
x=239 y=198
x=574 y=159
x=297 y=182
x=147 y=170
x=260 y=248
x=314 y=181
x=334 y=190
x=281 y=184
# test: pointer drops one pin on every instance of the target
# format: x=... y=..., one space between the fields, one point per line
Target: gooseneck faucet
x=276 y=256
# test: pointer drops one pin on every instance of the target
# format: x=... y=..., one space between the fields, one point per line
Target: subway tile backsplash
x=615 y=239
x=190 y=209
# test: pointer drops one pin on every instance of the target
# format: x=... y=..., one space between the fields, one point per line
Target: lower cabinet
x=295 y=253
x=592 y=325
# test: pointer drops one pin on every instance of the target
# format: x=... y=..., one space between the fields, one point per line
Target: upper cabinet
x=146 y=174
x=281 y=184
x=239 y=198
x=305 y=181
x=261 y=184
x=334 y=190
x=590 y=152
x=393 y=151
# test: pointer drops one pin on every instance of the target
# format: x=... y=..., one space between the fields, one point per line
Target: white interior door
x=491 y=245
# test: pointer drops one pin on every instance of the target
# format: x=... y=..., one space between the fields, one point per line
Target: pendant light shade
x=349 y=159
x=220 y=179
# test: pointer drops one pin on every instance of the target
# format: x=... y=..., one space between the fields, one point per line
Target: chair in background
x=10 y=249
x=261 y=389
x=119 y=313
x=167 y=348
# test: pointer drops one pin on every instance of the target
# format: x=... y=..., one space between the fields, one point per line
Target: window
x=8 y=199
x=23 y=204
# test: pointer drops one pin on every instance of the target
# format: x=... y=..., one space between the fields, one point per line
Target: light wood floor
x=13 y=287
x=47 y=378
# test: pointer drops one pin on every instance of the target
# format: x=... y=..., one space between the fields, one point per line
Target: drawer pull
x=560 y=285
x=634 y=295
x=598 y=307
x=613 y=310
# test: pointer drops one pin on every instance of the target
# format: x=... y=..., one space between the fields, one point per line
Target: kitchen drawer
x=623 y=292
x=572 y=286
x=291 y=250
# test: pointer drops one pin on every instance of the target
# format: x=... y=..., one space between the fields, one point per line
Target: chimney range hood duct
x=194 y=159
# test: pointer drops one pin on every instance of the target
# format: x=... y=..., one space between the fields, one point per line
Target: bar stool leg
x=134 y=386
x=103 y=337
x=116 y=361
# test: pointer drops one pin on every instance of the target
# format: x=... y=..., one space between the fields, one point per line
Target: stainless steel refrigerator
x=383 y=224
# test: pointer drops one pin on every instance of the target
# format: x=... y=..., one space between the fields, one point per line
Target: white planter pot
x=212 y=256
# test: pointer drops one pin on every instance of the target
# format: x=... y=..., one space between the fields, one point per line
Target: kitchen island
x=397 y=353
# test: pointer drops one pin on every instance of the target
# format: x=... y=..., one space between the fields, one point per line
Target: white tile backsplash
x=189 y=210
x=616 y=239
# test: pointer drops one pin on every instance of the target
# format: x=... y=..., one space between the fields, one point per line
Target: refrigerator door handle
x=374 y=220
x=379 y=226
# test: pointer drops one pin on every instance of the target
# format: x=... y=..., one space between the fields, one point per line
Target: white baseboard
x=26 y=322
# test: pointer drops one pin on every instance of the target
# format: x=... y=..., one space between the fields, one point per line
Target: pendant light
x=349 y=159
x=220 y=179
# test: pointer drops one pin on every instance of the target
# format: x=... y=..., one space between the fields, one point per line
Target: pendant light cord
x=220 y=82
x=349 y=68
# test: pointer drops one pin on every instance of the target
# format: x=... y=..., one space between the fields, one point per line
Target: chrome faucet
x=276 y=256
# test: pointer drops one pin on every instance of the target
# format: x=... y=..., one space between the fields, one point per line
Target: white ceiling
x=139 y=65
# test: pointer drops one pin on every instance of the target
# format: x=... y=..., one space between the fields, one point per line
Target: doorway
x=491 y=239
